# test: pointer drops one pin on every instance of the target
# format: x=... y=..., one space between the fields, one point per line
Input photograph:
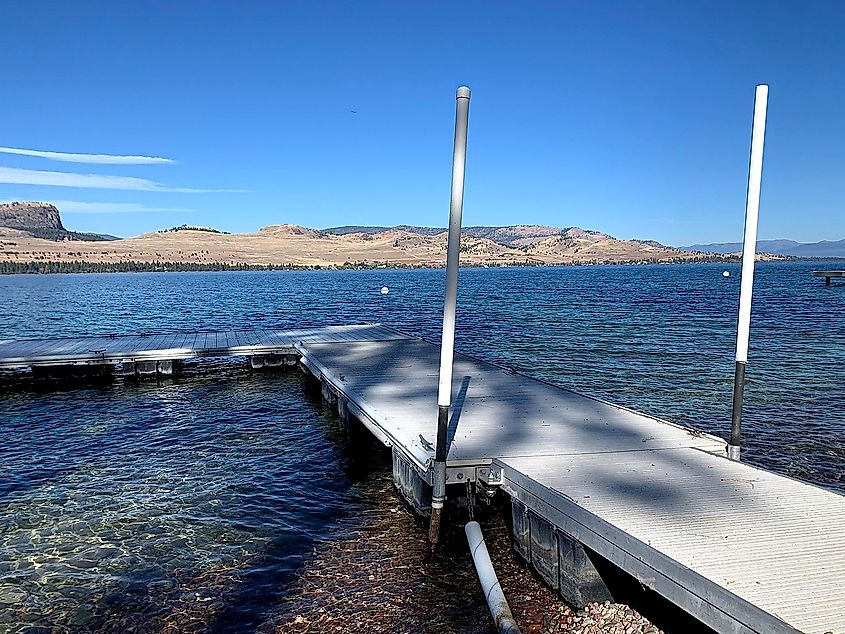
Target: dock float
x=828 y=274
x=741 y=549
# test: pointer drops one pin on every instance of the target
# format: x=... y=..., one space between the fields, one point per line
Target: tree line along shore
x=133 y=266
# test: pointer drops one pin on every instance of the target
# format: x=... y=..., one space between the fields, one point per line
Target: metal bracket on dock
x=489 y=475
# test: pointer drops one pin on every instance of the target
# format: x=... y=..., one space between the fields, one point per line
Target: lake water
x=195 y=500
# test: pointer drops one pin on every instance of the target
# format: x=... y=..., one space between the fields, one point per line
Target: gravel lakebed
x=374 y=574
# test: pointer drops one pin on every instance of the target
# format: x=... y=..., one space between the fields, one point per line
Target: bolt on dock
x=739 y=548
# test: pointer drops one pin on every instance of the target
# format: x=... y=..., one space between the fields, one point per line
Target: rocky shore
x=375 y=575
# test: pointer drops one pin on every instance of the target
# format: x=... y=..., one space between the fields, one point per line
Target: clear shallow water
x=182 y=503
x=153 y=504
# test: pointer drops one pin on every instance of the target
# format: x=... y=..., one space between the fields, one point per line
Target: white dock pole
x=749 y=252
x=447 y=341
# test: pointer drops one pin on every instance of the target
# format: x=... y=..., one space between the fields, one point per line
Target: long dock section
x=142 y=348
x=741 y=549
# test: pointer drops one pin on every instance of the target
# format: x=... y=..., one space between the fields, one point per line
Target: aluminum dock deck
x=741 y=549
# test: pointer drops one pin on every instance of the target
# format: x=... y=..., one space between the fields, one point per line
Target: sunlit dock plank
x=744 y=549
x=741 y=549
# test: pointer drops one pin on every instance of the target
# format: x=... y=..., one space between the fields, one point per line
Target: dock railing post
x=447 y=341
x=749 y=252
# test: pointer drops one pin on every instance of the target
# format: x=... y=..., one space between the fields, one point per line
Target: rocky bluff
x=30 y=215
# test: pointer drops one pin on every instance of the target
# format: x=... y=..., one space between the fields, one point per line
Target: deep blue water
x=125 y=505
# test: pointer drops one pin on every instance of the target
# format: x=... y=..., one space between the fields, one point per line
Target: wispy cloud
x=80 y=207
x=15 y=176
x=68 y=157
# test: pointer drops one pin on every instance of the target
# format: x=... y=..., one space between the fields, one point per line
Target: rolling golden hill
x=296 y=246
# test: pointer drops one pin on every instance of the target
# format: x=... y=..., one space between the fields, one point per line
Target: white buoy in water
x=384 y=290
x=726 y=273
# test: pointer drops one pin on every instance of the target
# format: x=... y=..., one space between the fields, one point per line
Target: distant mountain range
x=33 y=232
x=537 y=243
x=526 y=236
x=791 y=248
x=517 y=236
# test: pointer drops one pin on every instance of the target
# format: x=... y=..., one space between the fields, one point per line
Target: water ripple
x=193 y=501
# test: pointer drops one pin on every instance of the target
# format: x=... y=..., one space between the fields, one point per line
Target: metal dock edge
x=717 y=540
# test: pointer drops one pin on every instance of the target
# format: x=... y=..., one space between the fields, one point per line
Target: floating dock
x=155 y=353
x=740 y=548
x=828 y=274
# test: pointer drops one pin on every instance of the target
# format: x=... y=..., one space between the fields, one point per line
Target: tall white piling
x=749 y=252
x=447 y=341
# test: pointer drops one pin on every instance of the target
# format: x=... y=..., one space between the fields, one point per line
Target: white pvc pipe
x=752 y=209
x=453 y=251
x=496 y=601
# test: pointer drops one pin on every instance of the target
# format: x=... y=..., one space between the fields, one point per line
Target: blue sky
x=629 y=118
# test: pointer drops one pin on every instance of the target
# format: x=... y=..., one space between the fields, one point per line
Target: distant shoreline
x=60 y=267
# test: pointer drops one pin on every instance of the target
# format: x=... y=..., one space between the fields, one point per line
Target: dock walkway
x=741 y=549
x=118 y=349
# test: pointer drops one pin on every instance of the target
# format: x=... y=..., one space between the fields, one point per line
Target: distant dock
x=741 y=549
x=828 y=274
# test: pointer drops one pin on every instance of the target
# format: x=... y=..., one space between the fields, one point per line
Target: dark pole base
x=434 y=528
x=736 y=417
x=438 y=493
